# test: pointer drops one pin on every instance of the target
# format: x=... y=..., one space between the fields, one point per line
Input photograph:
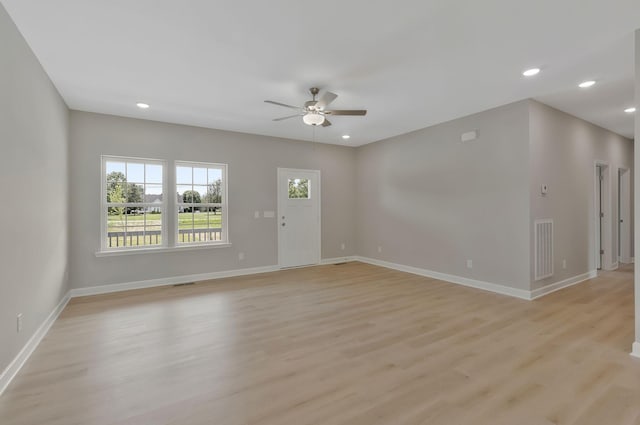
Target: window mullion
x=170 y=222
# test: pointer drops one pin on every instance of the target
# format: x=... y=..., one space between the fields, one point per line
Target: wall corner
x=636 y=181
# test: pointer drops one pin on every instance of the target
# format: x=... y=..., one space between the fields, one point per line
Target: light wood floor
x=335 y=345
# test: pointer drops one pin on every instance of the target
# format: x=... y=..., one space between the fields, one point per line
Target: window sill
x=116 y=253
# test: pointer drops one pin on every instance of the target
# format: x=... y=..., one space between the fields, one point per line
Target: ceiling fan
x=314 y=111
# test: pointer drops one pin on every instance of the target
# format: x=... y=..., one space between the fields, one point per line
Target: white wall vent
x=543 y=249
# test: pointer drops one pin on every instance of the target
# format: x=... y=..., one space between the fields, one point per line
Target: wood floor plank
x=335 y=345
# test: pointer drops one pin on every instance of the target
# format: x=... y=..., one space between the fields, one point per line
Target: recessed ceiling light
x=346 y=136
x=142 y=105
x=586 y=84
x=630 y=110
x=531 y=72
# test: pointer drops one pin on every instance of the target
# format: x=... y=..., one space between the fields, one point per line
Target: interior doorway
x=603 y=246
x=599 y=217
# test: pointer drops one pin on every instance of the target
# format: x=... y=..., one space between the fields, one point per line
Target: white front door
x=298 y=217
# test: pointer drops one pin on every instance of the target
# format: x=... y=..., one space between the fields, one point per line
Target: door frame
x=280 y=171
x=624 y=174
x=606 y=241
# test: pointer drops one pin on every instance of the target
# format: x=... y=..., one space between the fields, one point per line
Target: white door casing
x=598 y=217
x=624 y=236
x=604 y=226
x=299 y=241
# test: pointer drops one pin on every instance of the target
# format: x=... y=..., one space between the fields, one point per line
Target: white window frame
x=224 y=205
x=104 y=205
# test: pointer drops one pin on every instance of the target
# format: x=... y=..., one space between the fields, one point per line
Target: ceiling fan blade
x=326 y=123
x=325 y=100
x=347 y=112
x=286 y=118
x=282 y=104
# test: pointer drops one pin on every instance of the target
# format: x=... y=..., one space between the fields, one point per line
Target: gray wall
x=433 y=202
x=33 y=217
x=252 y=160
x=563 y=152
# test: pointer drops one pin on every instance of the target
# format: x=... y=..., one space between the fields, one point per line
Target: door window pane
x=299 y=189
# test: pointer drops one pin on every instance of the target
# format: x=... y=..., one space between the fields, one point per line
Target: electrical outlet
x=241 y=256
x=469 y=264
x=19 y=323
x=379 y=249
x=342 y=246
x=564 y=264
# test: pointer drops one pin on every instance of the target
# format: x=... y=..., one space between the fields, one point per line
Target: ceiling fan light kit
x=313 y=118
x=314 y=111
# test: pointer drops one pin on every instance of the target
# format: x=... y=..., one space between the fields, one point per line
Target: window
x=136 y=206
x=133 y=205
x=202 y=203
x=299 y=189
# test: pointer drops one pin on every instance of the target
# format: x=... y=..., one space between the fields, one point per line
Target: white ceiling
x=411 y=63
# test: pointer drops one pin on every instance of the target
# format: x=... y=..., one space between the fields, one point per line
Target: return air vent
x=543 y=249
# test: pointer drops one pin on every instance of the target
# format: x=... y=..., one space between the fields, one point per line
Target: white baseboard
x=337 y=260
x=635 y=352
x=546 y=290
x=612 y=267
x=14 y=367
x=487 y=286
x=175 y=280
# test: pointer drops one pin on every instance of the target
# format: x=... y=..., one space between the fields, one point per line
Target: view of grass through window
x=135 y=223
